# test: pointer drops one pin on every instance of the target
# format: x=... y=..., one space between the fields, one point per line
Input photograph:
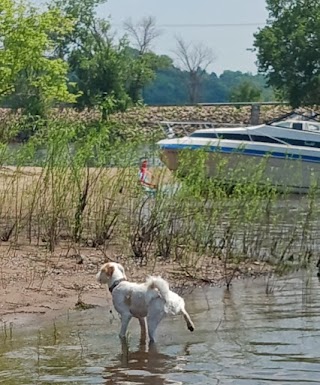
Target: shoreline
x=38 y=288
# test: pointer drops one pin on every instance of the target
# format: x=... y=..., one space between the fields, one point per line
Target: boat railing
x=170 y=127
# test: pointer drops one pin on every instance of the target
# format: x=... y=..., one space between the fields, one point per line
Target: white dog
x=151 y=300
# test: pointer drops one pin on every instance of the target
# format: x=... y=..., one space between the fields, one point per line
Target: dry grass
x=32 y=197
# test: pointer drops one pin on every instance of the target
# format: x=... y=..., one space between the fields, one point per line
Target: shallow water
x=243 y=337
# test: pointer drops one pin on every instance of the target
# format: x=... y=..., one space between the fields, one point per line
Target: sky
x=225 y=26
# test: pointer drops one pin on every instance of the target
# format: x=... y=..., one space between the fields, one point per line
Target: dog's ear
x=109 y=270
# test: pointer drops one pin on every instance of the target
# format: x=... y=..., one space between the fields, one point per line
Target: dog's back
x=132 y=296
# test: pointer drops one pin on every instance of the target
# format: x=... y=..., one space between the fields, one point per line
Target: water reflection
x=146 y=365
x=249 y=335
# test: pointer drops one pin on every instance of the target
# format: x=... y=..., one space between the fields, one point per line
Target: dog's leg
x=124 y=352
x=153 y=320
x=143 y=327
x=188 y=320
x=125 y=319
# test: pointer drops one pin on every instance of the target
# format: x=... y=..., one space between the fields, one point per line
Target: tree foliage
x=246 y=92
x=288 y=49
x=145 y=63
x=170 y=87
x=108 y=72
x=66 y=53
x=98 y=66
x=27 y=67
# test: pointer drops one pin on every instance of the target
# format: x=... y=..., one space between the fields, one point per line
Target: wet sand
x=35 y=284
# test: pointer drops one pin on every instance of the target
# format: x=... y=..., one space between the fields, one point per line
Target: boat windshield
x=313 y=127
x=210 y=135
x=283 y=124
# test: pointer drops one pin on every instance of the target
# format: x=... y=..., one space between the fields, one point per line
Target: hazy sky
x=229 y=40
x=226 y=26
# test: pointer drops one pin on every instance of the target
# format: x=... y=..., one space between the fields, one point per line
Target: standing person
x=145 y=176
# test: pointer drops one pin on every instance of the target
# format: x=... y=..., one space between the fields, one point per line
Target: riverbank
x=36 y=285
x=59 y=225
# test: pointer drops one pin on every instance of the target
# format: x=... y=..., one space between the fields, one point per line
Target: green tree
x=109 y=73
x=170 y=87
x=100 y=70
x=288 y=49
x=167 y=88
x=246 y=92
x=145 y=63
x=98 y=66
x=27 y=66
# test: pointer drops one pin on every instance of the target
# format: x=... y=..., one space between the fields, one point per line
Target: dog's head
x=110 y=272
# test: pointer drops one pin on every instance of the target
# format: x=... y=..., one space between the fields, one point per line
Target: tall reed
x=78 y=184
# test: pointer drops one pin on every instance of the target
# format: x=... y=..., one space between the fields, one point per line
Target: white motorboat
x=285 y=154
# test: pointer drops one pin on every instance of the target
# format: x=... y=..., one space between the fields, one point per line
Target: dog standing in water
x=149 y=301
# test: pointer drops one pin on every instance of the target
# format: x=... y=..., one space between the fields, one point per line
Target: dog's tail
x=187 y=318
x=160 y=284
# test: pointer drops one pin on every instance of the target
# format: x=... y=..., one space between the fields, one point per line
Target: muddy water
x=243 y=337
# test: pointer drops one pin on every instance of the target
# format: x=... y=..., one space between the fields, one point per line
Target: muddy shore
x=36 y=286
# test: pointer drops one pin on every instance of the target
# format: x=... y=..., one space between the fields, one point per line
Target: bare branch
x=193 y=57
x=143 y=33
x=183 y=55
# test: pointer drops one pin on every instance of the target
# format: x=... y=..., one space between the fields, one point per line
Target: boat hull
x=288 y=173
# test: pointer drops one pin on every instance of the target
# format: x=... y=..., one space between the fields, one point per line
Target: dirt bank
x=36 y=285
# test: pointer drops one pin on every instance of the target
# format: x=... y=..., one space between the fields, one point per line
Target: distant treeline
x=170 y=87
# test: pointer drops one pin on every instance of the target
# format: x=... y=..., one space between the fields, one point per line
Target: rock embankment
x=146 y=119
